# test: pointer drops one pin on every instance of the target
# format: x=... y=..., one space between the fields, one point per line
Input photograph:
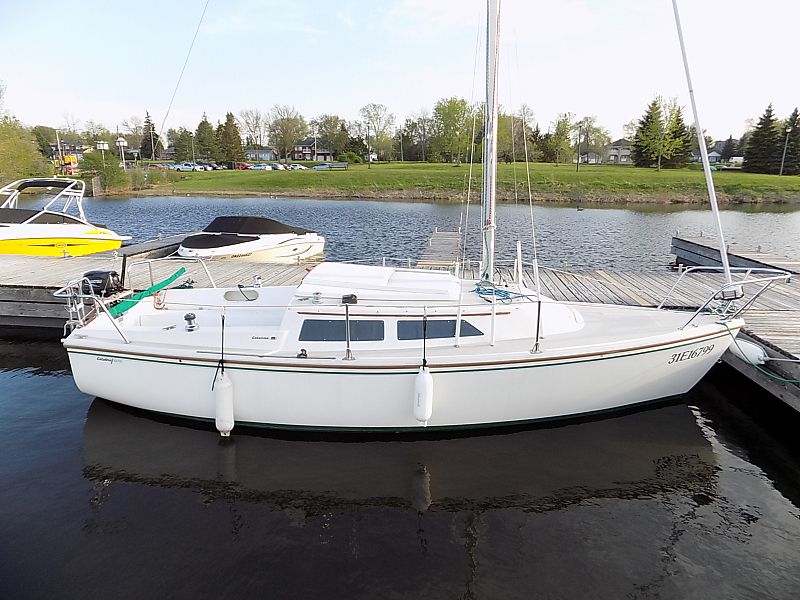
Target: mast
x=490 y=140
x=701 y=142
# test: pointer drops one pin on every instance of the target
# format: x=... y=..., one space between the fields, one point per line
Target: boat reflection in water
x=635 y=455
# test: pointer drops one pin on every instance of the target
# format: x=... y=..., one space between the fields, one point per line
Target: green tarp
x=129 y=303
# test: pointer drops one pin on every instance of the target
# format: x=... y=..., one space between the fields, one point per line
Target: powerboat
x=254 y=239
x=60 y=228
x=357 y=347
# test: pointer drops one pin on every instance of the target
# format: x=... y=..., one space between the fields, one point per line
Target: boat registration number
x=690 y=354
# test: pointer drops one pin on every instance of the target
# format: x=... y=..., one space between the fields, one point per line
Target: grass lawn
x=448 y=182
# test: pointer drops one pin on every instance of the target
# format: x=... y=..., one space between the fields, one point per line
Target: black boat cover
x=252 y=226
x=202 y=240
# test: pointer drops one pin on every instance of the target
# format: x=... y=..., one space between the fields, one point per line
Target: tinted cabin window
x=330 y=330
x=48 y=218
x=412 y=330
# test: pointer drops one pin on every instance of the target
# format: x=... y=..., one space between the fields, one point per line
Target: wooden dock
x=704 y=251
x=442 y=251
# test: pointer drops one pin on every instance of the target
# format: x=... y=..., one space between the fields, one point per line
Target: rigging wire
x=530 y=193
x=513 y=140
x=471 y=150
x=185 y=62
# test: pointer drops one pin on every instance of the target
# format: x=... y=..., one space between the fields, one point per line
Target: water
x=694 y=499
x=684 y=500
x=615 y=238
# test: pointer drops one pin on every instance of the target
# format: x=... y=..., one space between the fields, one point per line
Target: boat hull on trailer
x=371 y=393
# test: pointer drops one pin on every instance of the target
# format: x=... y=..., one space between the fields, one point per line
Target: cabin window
x=333 y=330
x=48 y=218
x=437 y=328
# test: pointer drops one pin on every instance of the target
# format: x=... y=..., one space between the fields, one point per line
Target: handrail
x=731 y=291
x=149 y=263
x=776 y=274
x=74 y=291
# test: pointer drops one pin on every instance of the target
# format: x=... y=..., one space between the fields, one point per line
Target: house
x=308 y=149
x=265 y=154
x=618 y=152
x=591 y=158
x=76 y=150
x=713 y=156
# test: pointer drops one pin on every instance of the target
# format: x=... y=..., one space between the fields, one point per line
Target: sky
x=105 y=61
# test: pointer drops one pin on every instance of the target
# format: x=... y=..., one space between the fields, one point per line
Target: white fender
x=749 y=352
x=423 y=395
x=223 y=398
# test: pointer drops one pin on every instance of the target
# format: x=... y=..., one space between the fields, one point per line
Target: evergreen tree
x=649 y=136
x=181 y=143
x=762 y=154
x=230 y=140
x=205 y=140
x=676 y=147
x=150 y=140
x=729 y=149
x=791 y=142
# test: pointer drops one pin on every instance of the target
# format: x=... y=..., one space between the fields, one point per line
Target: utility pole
x=785 y=144
x=578 y=162
x=369 y=151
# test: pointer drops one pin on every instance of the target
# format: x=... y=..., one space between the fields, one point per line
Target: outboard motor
x=103 y=283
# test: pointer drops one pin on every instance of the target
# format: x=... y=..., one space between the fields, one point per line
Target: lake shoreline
x=441 y=196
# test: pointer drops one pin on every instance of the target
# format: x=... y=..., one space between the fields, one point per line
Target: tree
x=255 y=126
x=729 y=149
x=790 y=151
x=132 y=128
x=381 y=128
x=94 y=132
x=108 y=169
x=205 y=140
x=593 y=137
x=44 y=136
x=229 y=140
x=331 y=133
x=19 y=152
x=764 y=145
x=560 y=146
x=150 y=139
x=415 y=137
x=648 y=139
x=287 y=127
x=451 y=129
x=676 y=147
x=181 y=143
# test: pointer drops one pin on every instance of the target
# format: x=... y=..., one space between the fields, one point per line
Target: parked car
x=277 y=167
x=206 y=166
x=187 y=166
x=240 y=166
x=296 y=167
x=261 y=167
x=321 y=167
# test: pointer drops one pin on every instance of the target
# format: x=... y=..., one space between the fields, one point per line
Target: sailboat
x=52 y=230
x=355 y=347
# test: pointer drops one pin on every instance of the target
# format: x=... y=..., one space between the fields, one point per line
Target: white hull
x=287 y=250
x=378 y=393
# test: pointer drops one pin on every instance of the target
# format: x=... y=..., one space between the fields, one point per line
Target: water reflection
x=660 y=450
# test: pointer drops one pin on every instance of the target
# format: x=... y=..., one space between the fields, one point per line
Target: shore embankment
x=452 y=183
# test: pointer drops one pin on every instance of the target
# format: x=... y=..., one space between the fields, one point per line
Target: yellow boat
x=51 y=230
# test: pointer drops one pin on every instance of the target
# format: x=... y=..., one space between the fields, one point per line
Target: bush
x=137 y=178
x=350 y=157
